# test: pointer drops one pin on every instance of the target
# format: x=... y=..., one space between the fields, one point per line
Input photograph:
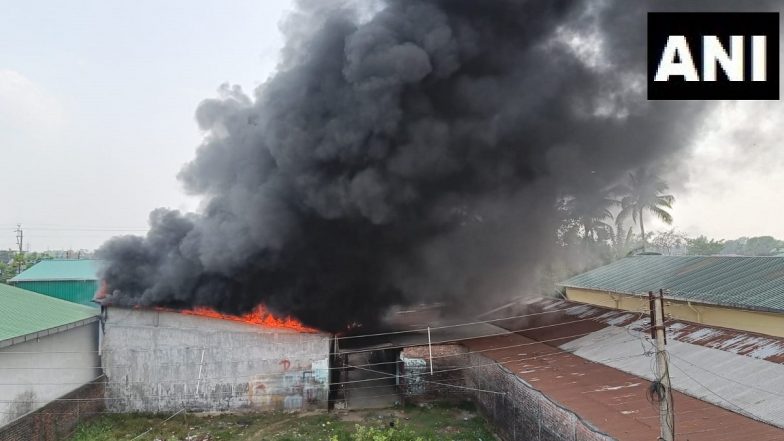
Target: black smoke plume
x=409 y=151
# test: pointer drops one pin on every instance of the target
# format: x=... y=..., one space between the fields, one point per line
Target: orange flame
x=259 y=316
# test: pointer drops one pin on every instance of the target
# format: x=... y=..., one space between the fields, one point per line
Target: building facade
x=48 y=348
x=736 y=292
x=165 y=361
x=67 y=279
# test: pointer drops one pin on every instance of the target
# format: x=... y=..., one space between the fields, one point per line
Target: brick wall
x=57 y=420
x=522 y=412
x=518 y=413
x=416 y=383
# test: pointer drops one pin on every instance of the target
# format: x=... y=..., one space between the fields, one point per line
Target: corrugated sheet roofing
x=24 y=312
x=735 y=281
x=83 y=269
x=744 y=369
x=560 y=321
x=615 y=401
x=744 y=385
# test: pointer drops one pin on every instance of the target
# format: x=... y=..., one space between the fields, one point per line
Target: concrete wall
x=158 y=361
x=745 y=320
x=37 y=371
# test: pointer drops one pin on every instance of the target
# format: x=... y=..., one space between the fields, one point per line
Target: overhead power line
x=162 y=348
x=456 y=325
x=364 y=380
x=557 y=352
x=63 y=227
x=507 y=332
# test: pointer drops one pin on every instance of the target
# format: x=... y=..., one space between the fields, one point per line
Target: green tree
x=624 y=242
x=19 y=262
x=735 y=246
x=762 y=246
x=753 y=246
x=667 y=242
x=591 y=215
x=644 y=193
x=702 y=246
x=6 y=272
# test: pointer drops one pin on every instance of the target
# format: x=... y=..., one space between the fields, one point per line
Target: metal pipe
x=696 y=311
x=617 y=301
x=430 y=349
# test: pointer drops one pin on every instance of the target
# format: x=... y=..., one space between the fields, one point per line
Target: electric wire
x=740 y=409
x=120 y=324
x=464 y=367
x=159 y=397
x=161 y=424
x=557 y=352
x=507 y=332
x=767 y=391
x=433 y=328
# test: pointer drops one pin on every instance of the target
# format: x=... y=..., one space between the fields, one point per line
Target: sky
x=97 y=117
x=97 y=106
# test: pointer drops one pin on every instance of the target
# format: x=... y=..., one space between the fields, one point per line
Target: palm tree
x=623 y=241
x=592 y=214
x=643 y=194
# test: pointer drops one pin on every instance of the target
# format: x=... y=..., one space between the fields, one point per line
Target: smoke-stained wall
x=410 y=152
x=158 y=361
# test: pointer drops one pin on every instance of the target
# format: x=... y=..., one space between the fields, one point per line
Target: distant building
x=743 y=293
x=48 y=348
x=68 y=279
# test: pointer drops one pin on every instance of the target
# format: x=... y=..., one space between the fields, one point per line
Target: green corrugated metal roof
x=24 y=312
x=77 y=291
x=740 y=282
x=56 y=269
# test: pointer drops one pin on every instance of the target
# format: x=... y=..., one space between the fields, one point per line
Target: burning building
x=409 y=152
x=158 y=360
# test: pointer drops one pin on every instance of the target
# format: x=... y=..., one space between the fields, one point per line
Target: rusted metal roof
x=745 y=385
x=612 y=400
x=737 y=281
x=738 y=371
x=569 y=320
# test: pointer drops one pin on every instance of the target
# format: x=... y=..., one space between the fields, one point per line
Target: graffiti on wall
x=413 y=371
x=292 y=388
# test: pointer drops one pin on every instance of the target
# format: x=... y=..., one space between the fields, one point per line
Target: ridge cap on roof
x=47 y=298
x=58 y=269
x=25 y=312
x=727 y=256
x=747 y=282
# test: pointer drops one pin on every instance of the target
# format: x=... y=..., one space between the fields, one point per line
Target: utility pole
x=661 y=388
x=20 y=243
